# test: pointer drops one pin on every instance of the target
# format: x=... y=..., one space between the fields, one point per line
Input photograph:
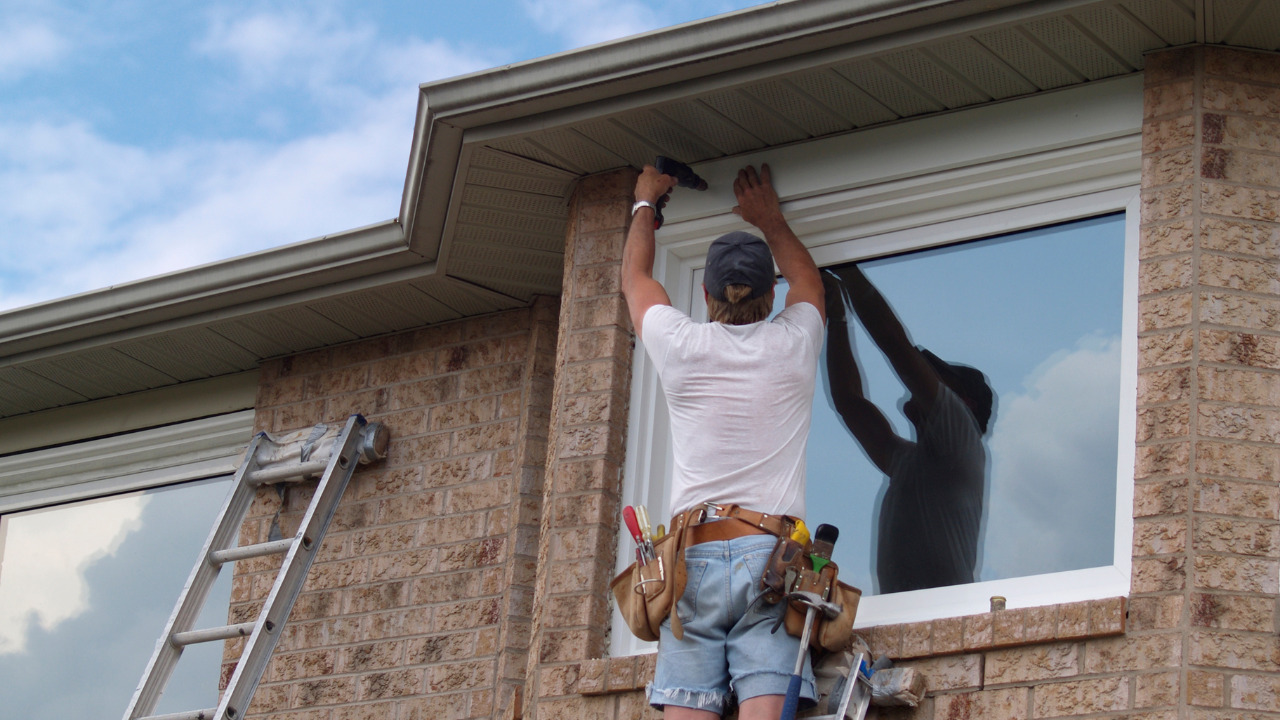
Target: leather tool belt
x=647 y=593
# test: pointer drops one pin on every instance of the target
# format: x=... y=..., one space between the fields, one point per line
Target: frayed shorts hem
x=710 y=700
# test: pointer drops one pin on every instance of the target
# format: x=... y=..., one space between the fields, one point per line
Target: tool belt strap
x=779 y=525
x=726 y=529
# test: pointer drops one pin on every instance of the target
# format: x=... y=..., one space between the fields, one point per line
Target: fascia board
x=737 y=41
x=255 y=280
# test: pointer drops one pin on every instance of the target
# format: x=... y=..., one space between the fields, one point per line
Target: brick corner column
x=586 y=445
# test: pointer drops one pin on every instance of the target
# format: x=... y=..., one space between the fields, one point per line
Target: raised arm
x=868 y=424
x=639 y=287
x=888 y=334
x=758 y=204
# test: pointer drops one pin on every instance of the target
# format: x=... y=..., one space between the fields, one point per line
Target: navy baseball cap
x=738 y=258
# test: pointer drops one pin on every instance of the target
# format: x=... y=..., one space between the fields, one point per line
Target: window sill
x=907 y=641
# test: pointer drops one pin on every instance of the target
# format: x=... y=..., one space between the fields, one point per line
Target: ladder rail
x=164 y=657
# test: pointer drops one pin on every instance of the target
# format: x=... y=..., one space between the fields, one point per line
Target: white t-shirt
x=740 y=399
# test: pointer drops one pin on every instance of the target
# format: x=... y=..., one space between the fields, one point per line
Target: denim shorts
x=727 y=650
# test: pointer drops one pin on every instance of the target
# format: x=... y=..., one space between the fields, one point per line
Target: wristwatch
x=643 y=203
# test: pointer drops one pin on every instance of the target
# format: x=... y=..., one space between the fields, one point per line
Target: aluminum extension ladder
x=852 y=695
x=358 y=441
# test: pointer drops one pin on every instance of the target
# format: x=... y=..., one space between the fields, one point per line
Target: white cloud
x=45 y=558
x=79 y=211
x=28 y=46
x=1053 y=475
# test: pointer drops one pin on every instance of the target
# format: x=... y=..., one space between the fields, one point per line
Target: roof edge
x=291 y=268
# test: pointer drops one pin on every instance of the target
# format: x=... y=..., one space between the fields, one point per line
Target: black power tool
x=685 y=178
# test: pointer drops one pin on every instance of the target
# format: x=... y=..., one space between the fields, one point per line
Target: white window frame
x=175 y=453
x=966 y=175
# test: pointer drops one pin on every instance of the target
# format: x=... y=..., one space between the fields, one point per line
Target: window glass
x=1038 y=314
x=85 y=591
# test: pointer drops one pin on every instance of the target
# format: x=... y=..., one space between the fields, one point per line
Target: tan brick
x=1168 y=98
x=1161 y=612
x=1239 y=423
x=1241 y=499
x=1240 y=349
x=1081 y=697
x=1165 y=348
x=1205 y=688
x=1006 y=704
x=947 y=636
x=1239 y=311
x=1159 y=574
x=1162 y=312
x=1163 y=423
x=1156 y=690
x=1253 y=133
x=1232 y=385
x=1164 y=497
x=1236 y=650
x=1167 y=134
x=978 y=631
x=1166 y=238
x=1163 y=386
x=1237 y=574
x=1169 y=167
x=1033 y=663
x=950 y=673
x=1161 y=536
x=1239 y=237
x=1232 y=612
x=1236 y=273
x=1146 y=652
x=325 y=691
x=1225 y=535
x=1229 y=200
x=1232 y=95
x=1159 y=275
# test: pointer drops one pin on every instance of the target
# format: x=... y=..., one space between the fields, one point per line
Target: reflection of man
x=932 y=509
x=740 y=394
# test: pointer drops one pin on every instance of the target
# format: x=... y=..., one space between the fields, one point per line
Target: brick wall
x=420 y=600
x=1206 y=538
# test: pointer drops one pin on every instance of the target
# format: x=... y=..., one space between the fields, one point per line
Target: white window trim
x=971 y=174
x=132 y=461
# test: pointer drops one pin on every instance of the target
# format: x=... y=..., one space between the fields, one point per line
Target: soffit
x=488 y=188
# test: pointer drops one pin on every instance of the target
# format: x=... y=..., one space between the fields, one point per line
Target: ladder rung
x=286 y=472
x=220 y=557
x=186 y=715
x=226 y=632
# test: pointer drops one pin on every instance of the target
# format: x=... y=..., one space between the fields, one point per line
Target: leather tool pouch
x=789 y=570
x=647 y=594
x=828 y=633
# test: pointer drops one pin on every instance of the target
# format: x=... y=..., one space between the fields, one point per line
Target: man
x=740 y=392
x=932 y=509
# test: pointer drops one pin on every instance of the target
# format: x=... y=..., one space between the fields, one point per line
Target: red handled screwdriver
x=633 y=526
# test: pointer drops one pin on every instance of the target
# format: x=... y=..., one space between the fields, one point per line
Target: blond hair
x=738 y=307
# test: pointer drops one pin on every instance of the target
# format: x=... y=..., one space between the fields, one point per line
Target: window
x=85 y=589
x=88 y=580
x=999 y=246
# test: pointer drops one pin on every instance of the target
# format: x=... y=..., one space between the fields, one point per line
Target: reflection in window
x=85 y=590
x=1038 y=315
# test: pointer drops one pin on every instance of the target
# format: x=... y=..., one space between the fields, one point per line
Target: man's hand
x=653 y=185
x=758 y=204
x=757 y=200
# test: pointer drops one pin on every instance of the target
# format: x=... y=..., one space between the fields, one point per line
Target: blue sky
x=138 y=138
